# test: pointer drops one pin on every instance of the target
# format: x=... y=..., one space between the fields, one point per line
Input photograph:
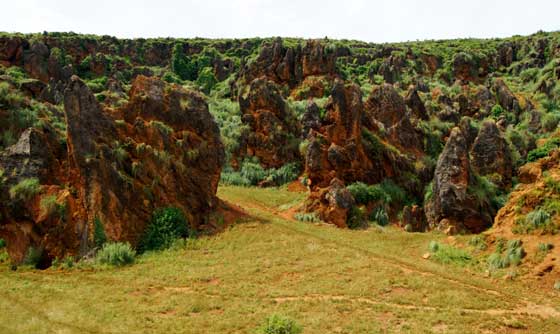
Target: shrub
x=486 y=193
x=2 y=243
x=307 y=217
x=545 y=247
x=447 y=254
x=166 y=225
x=25 y=189
x=206 y=80
x=252 y=173
x=550 y=121
x=356 y=218
x=538 y=219
x=50 y=207
x=428 y=192
x=544 y=150
x=277 y=324
x=33 y=256
x=379 y=216
x=364 y=194
x=497 y=111
x=116 y=254
x=513 y=255
x=478 y=242
x=99 y=236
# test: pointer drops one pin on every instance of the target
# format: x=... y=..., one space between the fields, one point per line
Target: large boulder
x=332 y=204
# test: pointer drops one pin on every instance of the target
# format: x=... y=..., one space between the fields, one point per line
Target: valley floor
x=329 y=280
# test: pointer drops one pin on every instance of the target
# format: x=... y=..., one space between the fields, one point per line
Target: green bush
x=116 y=254
x=166 y=225
x=25 y=189
x=2 y=243
x=99 y=236
x=277 y=324
x=364 y=194
x=512 y=256
x=206 y=80
x=497 y=111
x=486 y=193
x=550 y=121
x=478 y=242
x=447 y=254
x=251 y=173
x=544 y=150
x=33 y=256
x=379 y=216
x=307 y=217
x=538 y=219
x=356 y=218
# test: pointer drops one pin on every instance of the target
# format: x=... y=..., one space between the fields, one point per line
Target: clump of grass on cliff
x=25 y=189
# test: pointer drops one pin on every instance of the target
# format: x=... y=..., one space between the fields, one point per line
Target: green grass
x=327 y=280
x=25 y=189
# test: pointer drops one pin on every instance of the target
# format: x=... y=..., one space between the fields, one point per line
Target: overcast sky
x=373 y=21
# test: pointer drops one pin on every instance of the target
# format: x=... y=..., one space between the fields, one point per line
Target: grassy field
x=329 y=280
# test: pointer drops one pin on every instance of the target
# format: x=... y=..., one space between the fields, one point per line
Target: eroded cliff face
x=160 y=149
x=345 y=111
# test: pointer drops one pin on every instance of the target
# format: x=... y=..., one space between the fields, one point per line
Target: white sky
x=373 y=21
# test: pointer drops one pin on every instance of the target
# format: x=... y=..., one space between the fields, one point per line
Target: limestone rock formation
x=491 y=155
x=505 y=97
x=165 y=151
x=274 y=131
x=452 y=204
x=388 y=107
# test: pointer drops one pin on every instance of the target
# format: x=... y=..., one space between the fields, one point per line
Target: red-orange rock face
x=291 y=65
x=273 y=128
x=165 y=150
x=338 y=150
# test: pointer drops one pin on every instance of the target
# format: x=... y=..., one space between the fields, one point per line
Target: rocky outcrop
x=165 y=151
x=11 y=50
x=332 y=204
x=35 y=61
x=414 y=102
x=465 y=67
x=311 y=119
x=345 y=150
x=505 y=97
x=391 y=68
x=452 y=204
x=291 y=65
x=274 y=132
x=413 y=219
x=491 y=155
x=388 y=107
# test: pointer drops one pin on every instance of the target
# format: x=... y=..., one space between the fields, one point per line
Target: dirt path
x=526 y=306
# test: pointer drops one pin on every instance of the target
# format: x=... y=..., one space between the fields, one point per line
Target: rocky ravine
x=435 y=133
